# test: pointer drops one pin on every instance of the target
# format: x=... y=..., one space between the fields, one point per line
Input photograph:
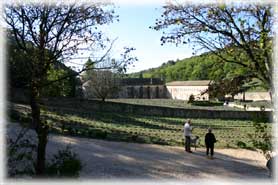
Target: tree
x=64 y=87
x=89 y=73
x=218 y=89
x=19 y=76
x=238 y=34
x=17 y=61
x=47 y=33
x=206 y=66
x=103 y=84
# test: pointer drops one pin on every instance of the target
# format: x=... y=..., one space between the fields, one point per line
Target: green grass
x=142 y=129
x=266 y=104
x=175 y=103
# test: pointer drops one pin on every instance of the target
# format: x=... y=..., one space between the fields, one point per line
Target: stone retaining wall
x=254 y=96
x=94 y=105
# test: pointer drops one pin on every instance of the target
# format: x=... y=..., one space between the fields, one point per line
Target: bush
x=100 y=134
x=156 y=140
x=71 y=131
x=15 y=115
x=262 y=138
x=64 y=164
x=90 y=133
x=241 y=144
x=18 y=116
x=191 y=98
x=20 y=154
x=207 y=103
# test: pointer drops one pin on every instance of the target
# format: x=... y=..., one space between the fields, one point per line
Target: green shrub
x=157 y=140
x=191 y=98
x=84 y=132
x=134 y=138
x=72 y=131
x=15 y=115
x=64 y=164
x=262 y=138
x=20 y=153
x=100 y=134
x=142 y=139
x=207 y=103
x=90 y=133
x=241 y=144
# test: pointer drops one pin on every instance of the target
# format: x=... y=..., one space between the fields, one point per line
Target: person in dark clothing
x=270 y=163
x=209 y=141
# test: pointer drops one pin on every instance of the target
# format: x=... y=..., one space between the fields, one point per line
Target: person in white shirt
x=187 y=135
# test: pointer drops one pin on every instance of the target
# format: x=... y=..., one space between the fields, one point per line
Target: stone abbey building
x=147 y=88
x=150 y=88
x=155 y=88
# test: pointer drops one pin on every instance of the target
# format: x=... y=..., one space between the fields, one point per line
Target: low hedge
x=207 y=103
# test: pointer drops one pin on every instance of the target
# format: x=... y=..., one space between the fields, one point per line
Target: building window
x=141 y=92
x=157 y=92
x=148 y=93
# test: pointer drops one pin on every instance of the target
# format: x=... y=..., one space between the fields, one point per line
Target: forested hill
x=203 y=67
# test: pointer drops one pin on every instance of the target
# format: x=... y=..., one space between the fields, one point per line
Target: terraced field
x=138 y=128
x=175 y=103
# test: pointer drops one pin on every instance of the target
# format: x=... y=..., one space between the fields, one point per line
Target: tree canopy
x=239 y=34
x=20 y=77
x=203 y=67
x=102 y=83
x=49 y=33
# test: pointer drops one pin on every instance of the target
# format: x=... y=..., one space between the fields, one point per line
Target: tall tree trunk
x=243 y=96
x=41 y=126
x=271 y=98
x=41 y=130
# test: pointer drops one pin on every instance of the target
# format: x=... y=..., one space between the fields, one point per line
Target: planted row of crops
x=138 y=128
x=174 y=103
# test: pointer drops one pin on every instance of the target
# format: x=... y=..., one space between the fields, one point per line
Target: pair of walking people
x=209 y=139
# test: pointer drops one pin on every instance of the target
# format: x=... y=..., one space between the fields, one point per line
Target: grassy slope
x=171 y=103
x=143 y=129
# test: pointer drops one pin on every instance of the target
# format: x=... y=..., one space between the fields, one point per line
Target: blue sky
x=133 y=30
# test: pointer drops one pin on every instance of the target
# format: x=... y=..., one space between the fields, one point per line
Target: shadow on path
x=110 y=160
x=128 y=160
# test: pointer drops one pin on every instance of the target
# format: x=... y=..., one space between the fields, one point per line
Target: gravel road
x=109 y=160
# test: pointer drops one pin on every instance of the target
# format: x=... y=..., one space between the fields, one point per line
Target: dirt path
x=104 y=159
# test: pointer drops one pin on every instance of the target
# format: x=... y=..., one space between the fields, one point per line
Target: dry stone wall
x=95 y=105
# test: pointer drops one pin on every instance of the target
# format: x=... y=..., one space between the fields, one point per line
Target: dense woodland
x=206 y=66
x=20 y=77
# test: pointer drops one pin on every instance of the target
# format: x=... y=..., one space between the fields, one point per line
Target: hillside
x=203 y=67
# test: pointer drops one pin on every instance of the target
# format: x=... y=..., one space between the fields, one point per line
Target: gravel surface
x=109 y=160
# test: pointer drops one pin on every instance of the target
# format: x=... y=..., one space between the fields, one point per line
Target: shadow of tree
x=119 y=160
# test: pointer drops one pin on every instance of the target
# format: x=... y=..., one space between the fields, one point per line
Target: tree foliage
x=262 y=138
x=64 y=87
x=238 y=34
x=20 y=153
x=218 y=89
x=20 y=77
x=103 y=84
x=89 y=73
x=65 y=163
x=49 y=33
x=202 y=67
